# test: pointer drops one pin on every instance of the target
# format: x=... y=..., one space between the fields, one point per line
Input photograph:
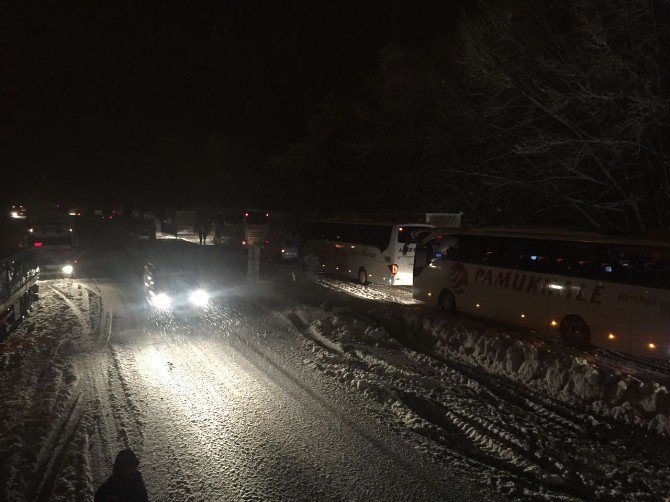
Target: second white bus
x=381 y=253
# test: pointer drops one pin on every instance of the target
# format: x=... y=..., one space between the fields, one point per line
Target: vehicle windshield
x=176 y=282
x=409 y=234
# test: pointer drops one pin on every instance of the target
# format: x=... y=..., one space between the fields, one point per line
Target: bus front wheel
x=362 y=276
x=575 y=332
x=447 y=301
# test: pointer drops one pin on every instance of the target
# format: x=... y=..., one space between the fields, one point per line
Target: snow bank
x=571 y=379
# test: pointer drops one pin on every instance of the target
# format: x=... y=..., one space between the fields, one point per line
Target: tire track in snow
x=83 y=320
x=126 y=413
x=108 y=408
x=50 y=459
x=46 y=396
x=505 y=426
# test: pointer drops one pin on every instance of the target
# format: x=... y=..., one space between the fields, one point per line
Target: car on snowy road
x=174 y=290
x=280 y=247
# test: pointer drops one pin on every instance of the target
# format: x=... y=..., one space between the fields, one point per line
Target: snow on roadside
x=597 y=384
x=474 y=400
x=376 y=292
x=570 y=378
x=38 y=382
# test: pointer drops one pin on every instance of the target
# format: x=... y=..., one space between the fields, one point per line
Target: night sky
x=90 y=91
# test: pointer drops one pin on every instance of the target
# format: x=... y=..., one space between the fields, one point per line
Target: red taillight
x=110 y=216
x=37 y=244
x=394 y=268
x=78 y=213
x=244 y=243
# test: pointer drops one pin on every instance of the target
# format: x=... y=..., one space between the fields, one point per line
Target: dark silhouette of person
x=126 y=483
x=203 y=231
x=202 y=224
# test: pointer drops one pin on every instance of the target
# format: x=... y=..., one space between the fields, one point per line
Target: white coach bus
x=368 y=252
x=585 y=288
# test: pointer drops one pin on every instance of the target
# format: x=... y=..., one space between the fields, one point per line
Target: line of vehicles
x=586 y=288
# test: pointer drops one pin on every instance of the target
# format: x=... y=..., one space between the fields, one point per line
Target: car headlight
x=68 y=269
x=199 y=298
x=161 y=301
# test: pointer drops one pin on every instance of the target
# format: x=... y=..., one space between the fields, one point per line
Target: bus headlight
x=68 y=269
x=199 y=298
x=161 y=301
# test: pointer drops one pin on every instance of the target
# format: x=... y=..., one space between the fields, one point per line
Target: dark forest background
x=512 y=111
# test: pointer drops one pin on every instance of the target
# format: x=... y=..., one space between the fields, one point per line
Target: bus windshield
x=409 y=235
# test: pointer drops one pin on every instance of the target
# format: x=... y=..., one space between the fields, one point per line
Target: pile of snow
x=345 y=328
x=510 y=413
x=37 y=385
x=569 y=378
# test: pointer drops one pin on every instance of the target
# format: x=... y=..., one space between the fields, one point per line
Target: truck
x=50 y=237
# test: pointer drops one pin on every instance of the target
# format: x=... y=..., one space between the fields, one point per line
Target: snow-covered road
x=218 y=409
x=299 y=389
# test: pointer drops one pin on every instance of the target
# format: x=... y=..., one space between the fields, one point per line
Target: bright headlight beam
x=161 y=301
x=199 y=298
x=68 y=269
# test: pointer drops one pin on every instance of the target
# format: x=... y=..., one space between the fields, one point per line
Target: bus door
x=404 y=240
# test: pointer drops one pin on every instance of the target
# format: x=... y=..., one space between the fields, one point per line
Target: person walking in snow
x=202 y=223
x=126 y=483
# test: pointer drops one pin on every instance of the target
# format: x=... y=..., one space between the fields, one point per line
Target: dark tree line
x=533 y=113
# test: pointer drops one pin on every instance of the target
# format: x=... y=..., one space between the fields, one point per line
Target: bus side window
x=583 y=259
x=658 y=264
x=510 y=253
x=450 y=249
x=491 y=250
x=471 y=248
x=558 y=254
x=544 y=256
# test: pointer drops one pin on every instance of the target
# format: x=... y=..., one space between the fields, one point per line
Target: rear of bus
x=404 y=239
x=256 y=226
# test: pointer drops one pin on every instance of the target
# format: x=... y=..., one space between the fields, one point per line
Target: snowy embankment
x=568 y=377
x=530 y=419
x=623 y=389
x=37 y=386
